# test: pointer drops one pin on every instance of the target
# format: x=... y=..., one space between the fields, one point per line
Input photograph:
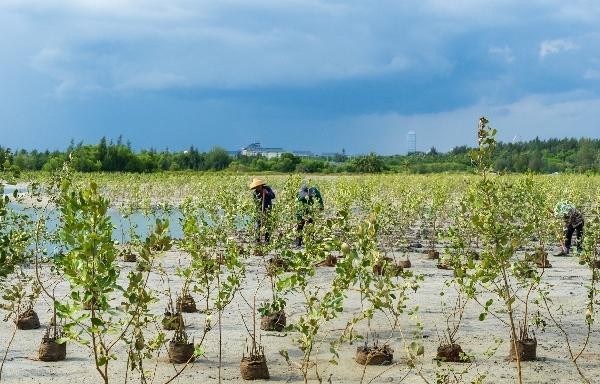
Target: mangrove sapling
x=138 y=297
x=90 y=266
x=215 y=255
x=539 y=217
x=343 y=237
x=449 y=350
x=143 y=344
x=181 y=349
x=132 y=241
x=319 y=309
x=185 y=301
x=227 y=285
x=272 y=312
x=16 y=305
x=170 y=320
x=527 y=278
x=53 y=344
x=387 y=295
x=321 y=306
x=325 y=305
x=463 y=243
x=370 y=265
x=457 y=373
x=497 y=213
x=395 y=217
x=27 y=318
x=15 y=233
x=434 y=214
x=172 y=317
x=535 y=221
x=199 y=244
x=590 y=257
x=253 y=365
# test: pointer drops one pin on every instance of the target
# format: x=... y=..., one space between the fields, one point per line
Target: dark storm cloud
x=285 y=72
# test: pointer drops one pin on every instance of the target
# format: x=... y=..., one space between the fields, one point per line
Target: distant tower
x=411 y=142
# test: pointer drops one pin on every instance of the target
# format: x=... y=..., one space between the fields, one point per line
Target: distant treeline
x=543 y=156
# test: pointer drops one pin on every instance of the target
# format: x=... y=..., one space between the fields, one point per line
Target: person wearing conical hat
x=263 y=196
x=574 y=223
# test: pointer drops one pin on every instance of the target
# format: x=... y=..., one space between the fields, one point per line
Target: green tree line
x=541 y=156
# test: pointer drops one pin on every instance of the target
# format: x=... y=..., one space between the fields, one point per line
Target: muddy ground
x=477 y=337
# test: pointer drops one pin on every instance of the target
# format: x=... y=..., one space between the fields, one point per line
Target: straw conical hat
x=256 y=183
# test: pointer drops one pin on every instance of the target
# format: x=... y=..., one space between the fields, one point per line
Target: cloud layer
x=229 y=71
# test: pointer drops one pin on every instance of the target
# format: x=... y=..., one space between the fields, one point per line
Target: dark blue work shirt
x=265 y=196
x=309 y=195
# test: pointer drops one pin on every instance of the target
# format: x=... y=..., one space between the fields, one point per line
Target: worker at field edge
x=263 y=196
x=306 y=200
x=574 y=223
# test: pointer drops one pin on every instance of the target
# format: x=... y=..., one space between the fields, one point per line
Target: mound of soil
x=527 y=350
x=181 y=353
x=254 y=368
x=444 y=265
x=451 y=353
x=50 y=350
x=276 y=264
x=186 y=304
x=387 y=265
x=432 y=255
x=275 y=322
x=129 y=257
x=28 y=320
x=380 y=355
x=330 y=261
x=541 y=259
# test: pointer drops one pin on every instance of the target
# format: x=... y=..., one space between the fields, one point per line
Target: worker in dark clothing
x=306 y=201
x=263 y=195
x=574 y=223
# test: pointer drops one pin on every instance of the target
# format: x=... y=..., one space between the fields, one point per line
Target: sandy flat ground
x=476 y=337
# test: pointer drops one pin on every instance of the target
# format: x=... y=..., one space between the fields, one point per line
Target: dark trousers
x=578 y=231
x=262 y=228
x=300 y=227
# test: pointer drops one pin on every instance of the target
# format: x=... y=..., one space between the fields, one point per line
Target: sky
x=298 y=74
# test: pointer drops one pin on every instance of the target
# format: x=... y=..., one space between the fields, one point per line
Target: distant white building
x=411 y=142
x=255 y=149
x=303 y=153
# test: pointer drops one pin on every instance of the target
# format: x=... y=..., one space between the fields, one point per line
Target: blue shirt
x=307 y=196
x=265 y=196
